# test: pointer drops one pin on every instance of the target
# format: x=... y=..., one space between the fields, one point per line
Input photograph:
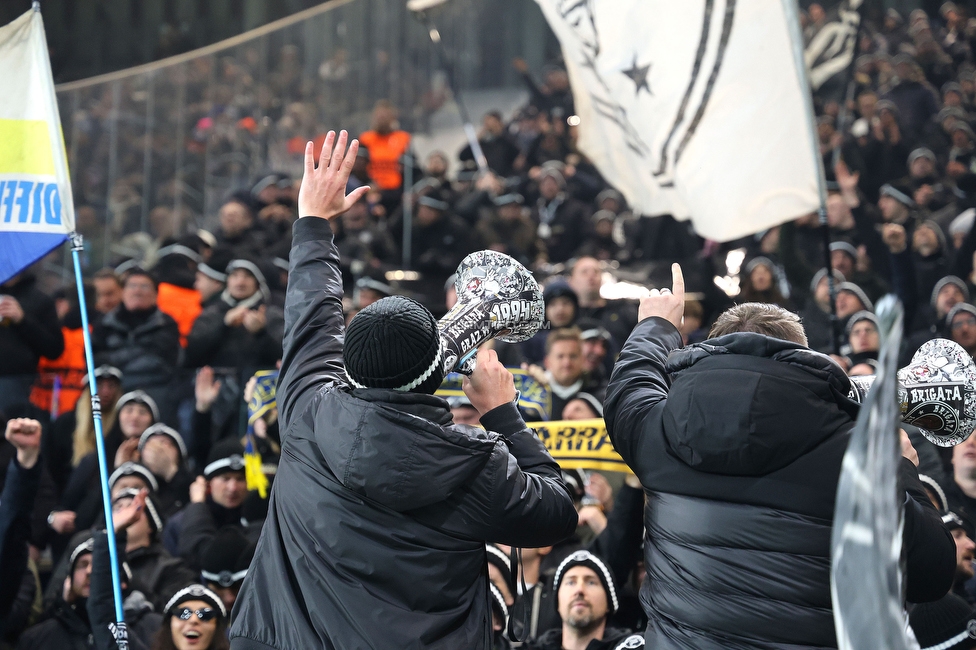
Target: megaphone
x=936 y=392
x=496 y=298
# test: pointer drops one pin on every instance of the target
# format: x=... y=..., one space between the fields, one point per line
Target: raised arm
x=639 y=381
x=312 y=345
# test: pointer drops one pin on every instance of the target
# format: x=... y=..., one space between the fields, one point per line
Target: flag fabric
x=36 y=208
x=696 y=109
x=865 y=572
x=263 y=399
x=832 y=48
x=580 y=444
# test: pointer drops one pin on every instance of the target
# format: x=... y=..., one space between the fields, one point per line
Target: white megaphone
x=496 y=298
x=937 y=392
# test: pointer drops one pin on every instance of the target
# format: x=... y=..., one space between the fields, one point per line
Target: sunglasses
x=205 y=614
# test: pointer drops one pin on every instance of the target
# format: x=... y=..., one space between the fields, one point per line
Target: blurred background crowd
x=185 y=184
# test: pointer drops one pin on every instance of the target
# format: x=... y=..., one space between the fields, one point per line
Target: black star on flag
x=638 y=74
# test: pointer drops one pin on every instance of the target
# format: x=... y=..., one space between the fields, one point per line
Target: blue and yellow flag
x=535 y=400
x=36 y=207
x=262 y=400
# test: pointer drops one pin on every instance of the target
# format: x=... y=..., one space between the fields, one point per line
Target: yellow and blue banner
x=263 y=399
x=36 y=207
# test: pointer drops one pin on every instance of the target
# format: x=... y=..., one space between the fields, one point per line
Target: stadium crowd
x=182 y=324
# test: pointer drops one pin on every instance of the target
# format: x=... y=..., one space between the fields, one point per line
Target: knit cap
x=394 y=344
x=587 y=559
x=947 y=624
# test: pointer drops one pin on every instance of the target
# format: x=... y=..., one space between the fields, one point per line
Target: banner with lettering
x=535 y=400
x=36 y=209
x=580 y=444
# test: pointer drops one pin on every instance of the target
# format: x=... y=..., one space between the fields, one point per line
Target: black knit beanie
x=394 y=344
x=587 y=559
x=948 y=623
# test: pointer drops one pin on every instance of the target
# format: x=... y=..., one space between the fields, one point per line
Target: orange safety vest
x=182 y=304
x=68 y=371
x=384 y=157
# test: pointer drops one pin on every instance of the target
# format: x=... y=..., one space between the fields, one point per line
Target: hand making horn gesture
x=323 y=190
x=668 y=304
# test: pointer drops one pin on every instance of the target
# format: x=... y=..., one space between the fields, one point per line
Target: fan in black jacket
x=376 y=530
x=739 y=456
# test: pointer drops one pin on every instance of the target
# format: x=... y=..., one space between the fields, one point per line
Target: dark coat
x=381 y=507
x=16 y=502
x=157 y=574
x=64 y=630
x=613 y=639
x=740 y=458
x=37 y=335
x=146 y=349
x=563 y=227
x=213 y=343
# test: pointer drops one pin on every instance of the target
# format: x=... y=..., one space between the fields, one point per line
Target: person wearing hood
x=562 y=310
x=923 y=181
x=216 y=500
x=742 y=430
x=381 y=508
x=760 y=283
x=931 y=257
x=930 y=321
x=29 y=330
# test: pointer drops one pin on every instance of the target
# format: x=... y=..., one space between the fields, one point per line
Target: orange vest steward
x=384 y=157
x=69 y=368
x=182 y=304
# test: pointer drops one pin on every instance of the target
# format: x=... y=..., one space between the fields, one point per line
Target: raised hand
x=25 y=435
x=206 y=390
x=124 y=514
x=323 y=190
x=491 y=384
x=668 y=304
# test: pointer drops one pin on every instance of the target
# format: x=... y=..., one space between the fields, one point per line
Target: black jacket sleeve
x=16 y=503
x=519 y=498
x=101 y=599
x=206 y=336
x=314 y=323
x=639 y=385
x=929 y=549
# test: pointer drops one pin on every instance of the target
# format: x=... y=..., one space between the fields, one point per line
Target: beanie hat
x=761 y=261
x=139 y=397
x=945 y=624
x=575 y=480
x=129 y=468
x=501 y=561
x=850 y=287
x=394 y=344
x=858 y=317
x=952 y=521
x=962 y=306
x=195 y=592
x=163 y=430
x=897 y=194
x=560 y=289
x=931 y=484
x=85 y=545
x=591 y=401
x=226 y=558
x=226 y=456
x=821 y=274
x=947 y=280
x=84 y=542
x=587 y=559
x=152 y=512
x=101 y=372
x=937 y=229
x=845 y=246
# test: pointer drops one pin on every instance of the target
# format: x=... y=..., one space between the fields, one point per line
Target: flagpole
x=791 y=9
x=77 y=245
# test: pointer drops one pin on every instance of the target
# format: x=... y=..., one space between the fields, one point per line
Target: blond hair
x=83 y=438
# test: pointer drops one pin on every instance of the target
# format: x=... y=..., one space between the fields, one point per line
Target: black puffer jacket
x=145 y=346
x=740 y=459
x=381 y=507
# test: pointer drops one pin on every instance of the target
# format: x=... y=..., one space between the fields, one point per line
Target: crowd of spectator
x=186 y=316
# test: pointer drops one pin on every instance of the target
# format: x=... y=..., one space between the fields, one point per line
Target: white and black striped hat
x=139 y=397
x=161 y=429
x=129 y=468
x=587 y=559
x=195 y=592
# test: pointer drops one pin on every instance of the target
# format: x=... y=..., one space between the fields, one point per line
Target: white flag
x=694 y=109
x=36 y=209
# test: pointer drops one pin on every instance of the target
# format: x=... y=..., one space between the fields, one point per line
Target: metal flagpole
x=796 y=38
x=77 y=245
x=469 y=131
